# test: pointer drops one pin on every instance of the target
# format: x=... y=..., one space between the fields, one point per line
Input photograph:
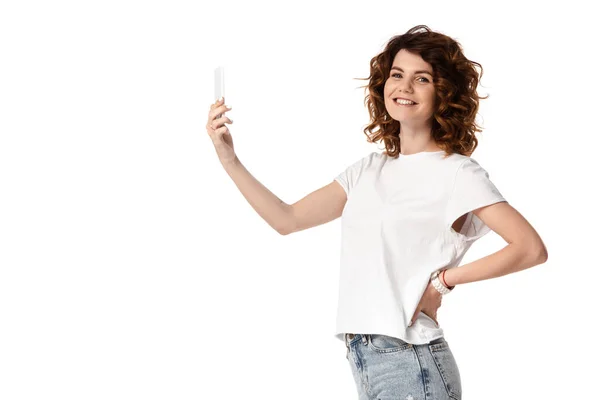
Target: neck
x=416 y=139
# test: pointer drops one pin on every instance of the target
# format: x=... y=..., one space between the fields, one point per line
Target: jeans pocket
x=387 y=344
x=446 y=364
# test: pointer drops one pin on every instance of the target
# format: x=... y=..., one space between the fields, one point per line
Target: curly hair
x=455 y=80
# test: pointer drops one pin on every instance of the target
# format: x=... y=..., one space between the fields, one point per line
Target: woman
x=409 y=216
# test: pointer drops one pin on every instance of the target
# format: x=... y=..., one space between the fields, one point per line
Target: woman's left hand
x=429 y=304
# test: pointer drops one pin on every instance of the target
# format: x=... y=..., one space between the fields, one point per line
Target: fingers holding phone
x=216 y=128
x=219 y=132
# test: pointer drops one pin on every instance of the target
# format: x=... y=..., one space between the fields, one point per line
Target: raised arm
x=271 y=208
x=317 y=208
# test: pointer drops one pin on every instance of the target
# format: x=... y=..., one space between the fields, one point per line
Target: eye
x=421 y=77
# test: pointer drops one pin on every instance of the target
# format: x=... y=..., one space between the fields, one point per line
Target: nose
x=405 y=86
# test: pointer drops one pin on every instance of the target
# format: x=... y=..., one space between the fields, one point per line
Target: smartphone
x=219 y=84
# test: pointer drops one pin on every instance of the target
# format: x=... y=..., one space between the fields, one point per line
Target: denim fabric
x=386 y=368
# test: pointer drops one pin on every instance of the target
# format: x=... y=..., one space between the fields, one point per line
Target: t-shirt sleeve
x=349 y=177
x=472 y=190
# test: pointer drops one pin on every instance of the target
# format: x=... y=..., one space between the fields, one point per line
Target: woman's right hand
x=430 y=301
x=219 y=132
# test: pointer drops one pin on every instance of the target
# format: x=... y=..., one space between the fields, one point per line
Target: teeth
x=404 y=101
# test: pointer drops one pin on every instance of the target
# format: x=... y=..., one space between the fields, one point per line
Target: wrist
x=437 y=283
x=450 y=277
x=231 y=163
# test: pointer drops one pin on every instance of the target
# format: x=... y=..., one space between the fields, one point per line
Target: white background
x=131 y=267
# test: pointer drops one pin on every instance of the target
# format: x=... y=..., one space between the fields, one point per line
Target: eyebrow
x=416 y=72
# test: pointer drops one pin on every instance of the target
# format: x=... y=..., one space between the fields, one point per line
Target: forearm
x=511 y=258
x=271 y=208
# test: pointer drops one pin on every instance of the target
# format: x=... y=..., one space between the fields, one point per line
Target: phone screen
x=219 y=84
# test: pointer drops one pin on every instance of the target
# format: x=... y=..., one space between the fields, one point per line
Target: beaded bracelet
x=439 y=286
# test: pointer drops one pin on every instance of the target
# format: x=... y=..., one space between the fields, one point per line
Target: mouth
x=404 y=105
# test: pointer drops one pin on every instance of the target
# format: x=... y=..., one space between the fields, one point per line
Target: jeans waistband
x=352 y=337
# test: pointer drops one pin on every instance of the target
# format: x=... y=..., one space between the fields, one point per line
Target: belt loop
x=364 y=339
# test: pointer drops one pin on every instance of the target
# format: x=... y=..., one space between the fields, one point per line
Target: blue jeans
x=386 y=368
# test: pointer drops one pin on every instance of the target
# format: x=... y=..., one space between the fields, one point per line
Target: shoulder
x=458 y=158
x=370 y=158
x=460 y=167
x=363 y=162
x=461 y=162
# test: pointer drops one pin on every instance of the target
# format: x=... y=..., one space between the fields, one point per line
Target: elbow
x=290 y=224
x=285 y=230
x=534 y=254
x=542 y=254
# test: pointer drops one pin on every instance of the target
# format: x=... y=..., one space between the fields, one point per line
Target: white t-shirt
x=397 y=230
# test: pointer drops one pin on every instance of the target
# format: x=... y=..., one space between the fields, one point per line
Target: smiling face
x=408 y=80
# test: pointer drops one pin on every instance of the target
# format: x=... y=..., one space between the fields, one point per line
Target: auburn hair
x=455 y=80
